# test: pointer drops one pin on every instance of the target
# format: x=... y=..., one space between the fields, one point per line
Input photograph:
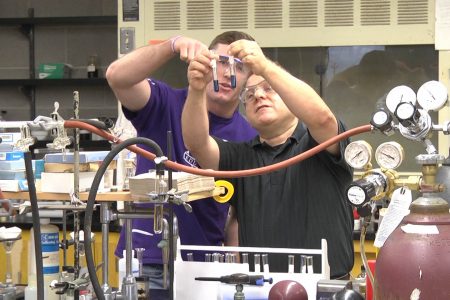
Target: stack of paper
x=59 y=171
x=141 y=185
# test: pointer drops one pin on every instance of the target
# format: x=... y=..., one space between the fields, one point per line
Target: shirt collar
x=298 y=133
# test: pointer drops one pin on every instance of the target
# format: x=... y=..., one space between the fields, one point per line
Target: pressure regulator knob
x=407 y=114
x=382 y=120
x=360 y=192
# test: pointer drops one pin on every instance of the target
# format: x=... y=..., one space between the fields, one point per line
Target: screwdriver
x=239 y=278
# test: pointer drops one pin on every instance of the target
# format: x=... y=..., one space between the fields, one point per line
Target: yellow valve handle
x=229 y=191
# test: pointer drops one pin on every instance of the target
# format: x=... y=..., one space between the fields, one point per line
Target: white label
x=50 y=252
x=396 y=211
x=91 y=68
x=420 y=229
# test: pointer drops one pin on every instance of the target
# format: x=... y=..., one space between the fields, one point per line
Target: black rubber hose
x=91 y=201
x=36 y=225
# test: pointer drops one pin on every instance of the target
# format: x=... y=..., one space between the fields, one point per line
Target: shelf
x=110 y=196
x=27 y=26
x=53 y=82
x=60 y=20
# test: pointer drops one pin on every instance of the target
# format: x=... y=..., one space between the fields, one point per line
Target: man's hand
x=250 y=54
x=187 y=48
x=200 y=71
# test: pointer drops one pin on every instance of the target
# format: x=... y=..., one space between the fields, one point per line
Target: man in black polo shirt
x=294 y=207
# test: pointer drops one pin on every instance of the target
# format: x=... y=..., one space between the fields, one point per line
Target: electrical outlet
x=127 y=40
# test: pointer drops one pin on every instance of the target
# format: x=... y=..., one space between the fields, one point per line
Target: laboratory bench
x=21 y=247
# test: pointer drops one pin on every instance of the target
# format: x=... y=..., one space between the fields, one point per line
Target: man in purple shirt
x=153 y=107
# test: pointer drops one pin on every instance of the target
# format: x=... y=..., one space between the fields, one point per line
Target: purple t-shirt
x=205 y=225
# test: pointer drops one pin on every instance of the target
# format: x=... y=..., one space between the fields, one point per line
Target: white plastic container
x=123 y=270
x=50 y=254
x=30 y=292
x=31 y=289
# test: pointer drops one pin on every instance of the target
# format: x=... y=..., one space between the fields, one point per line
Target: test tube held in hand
x=214 y=72
x=232 y=71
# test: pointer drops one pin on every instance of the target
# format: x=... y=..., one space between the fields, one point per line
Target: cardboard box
x=63 y=182
x=54 y=71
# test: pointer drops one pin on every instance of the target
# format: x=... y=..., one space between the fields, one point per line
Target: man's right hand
x=199 y=70
x=187 y=48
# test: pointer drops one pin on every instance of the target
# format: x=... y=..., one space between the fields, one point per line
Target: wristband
x=173 y=40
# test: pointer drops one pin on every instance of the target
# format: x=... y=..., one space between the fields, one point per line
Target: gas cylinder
x=414 y=261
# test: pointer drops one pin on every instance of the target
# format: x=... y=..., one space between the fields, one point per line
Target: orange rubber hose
x=225 y=174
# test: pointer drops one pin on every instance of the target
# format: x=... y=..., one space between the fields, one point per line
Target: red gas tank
x=417 y=265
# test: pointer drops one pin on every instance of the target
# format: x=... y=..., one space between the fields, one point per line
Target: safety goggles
x=224 y=63
x=249 y=94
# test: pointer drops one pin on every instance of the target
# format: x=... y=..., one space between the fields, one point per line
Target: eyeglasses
x=249 y=93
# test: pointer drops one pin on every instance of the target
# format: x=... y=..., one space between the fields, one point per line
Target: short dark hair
x=229 y=37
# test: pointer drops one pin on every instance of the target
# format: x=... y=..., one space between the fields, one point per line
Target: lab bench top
x=108 y=196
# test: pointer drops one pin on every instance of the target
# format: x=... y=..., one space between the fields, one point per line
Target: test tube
x=291 y=263
x=244 y=258
x=214 y=71
x=158 y=215
x=265 y=262
x=232 y=71
x=216 y=257
x=208 y=257
x=306 y=264
x=309 y=264
x=257 y=258
x=140 y=257
x=190 y=256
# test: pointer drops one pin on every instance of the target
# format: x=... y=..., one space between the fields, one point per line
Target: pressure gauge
x=358 y=154
x=389 y=155
x=432 y=95
x=398 y=95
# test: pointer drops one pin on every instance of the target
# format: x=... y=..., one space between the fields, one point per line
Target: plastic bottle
x=50 y=254
x=92 y=68
x=123 y=270
x=30 y=292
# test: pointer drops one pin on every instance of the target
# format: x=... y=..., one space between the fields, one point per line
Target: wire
x=225 y=174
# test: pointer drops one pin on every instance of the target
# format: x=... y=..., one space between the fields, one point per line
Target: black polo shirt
x=293 y=207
